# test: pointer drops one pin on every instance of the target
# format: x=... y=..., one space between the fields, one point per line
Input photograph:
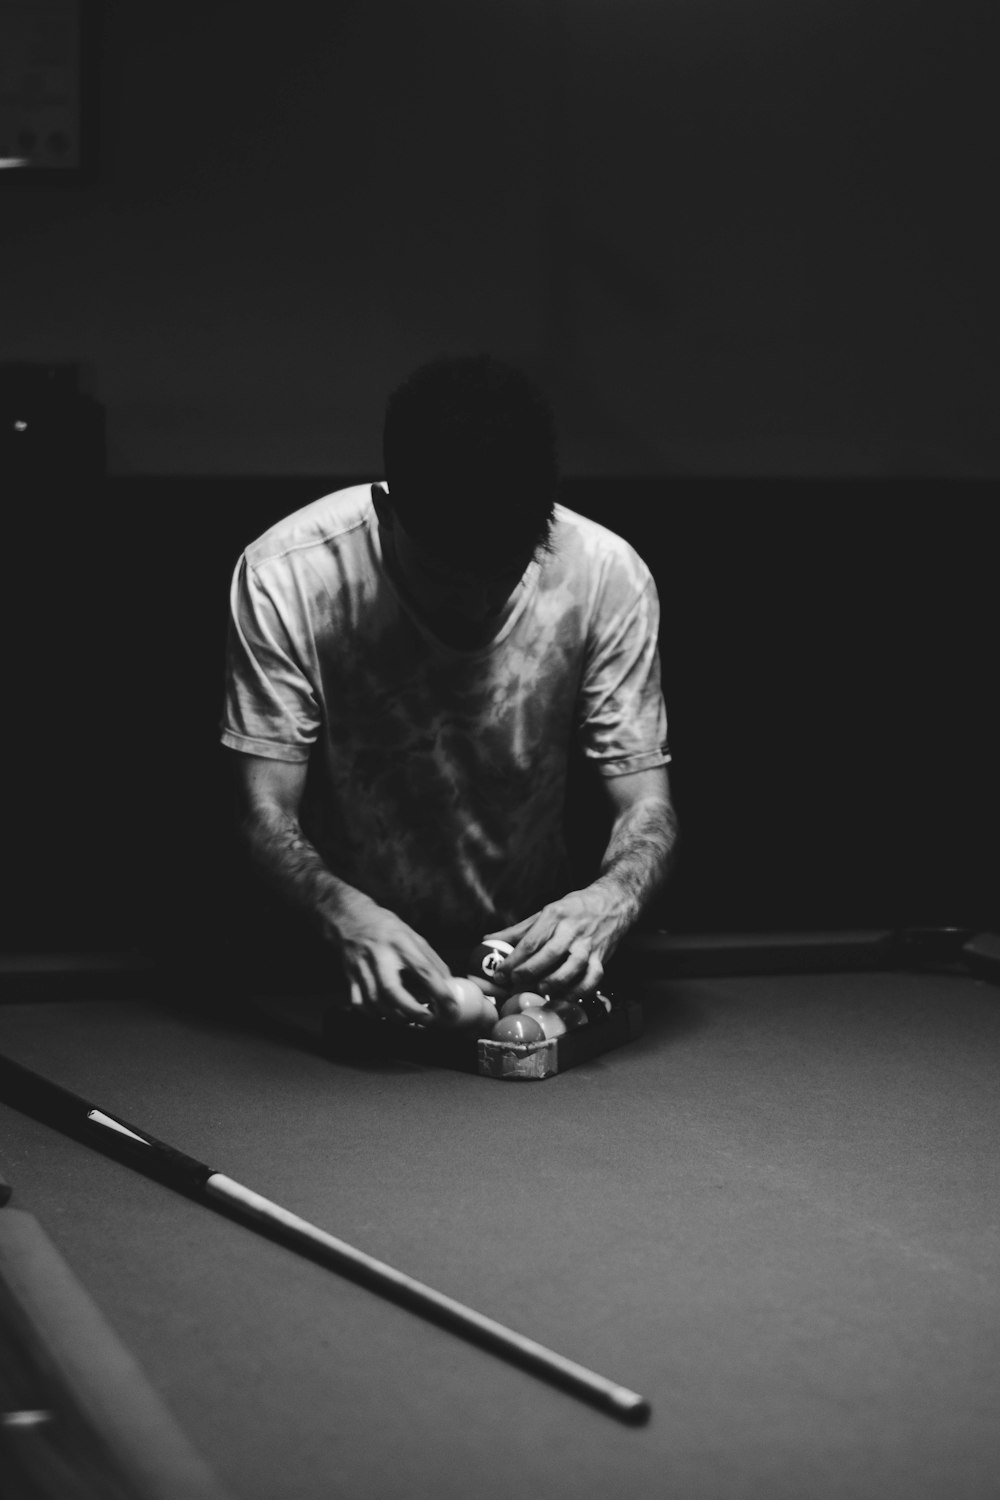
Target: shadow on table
x=309 y=1023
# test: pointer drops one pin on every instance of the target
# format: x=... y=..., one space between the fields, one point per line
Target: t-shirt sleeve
x=623 y=718
x=270 y=707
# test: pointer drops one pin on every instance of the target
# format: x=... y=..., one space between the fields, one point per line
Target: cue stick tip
x=633 y=1408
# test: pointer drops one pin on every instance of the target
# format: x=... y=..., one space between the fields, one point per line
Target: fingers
x=557 y=953
x=559 y=970
x=580 y=975
x=433 y=961
x=389 y=969
x=529 y=939
x=394 y=1001
x=385 y=983
x=429 y=990
x=404 y=992
x=511 y=934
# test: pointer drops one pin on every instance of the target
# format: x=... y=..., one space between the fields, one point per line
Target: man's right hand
x=389 y=968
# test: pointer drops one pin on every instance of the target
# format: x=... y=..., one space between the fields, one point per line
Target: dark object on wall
x=48 y=91
x=48 y=427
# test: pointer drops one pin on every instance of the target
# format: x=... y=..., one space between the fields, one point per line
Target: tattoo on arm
x=640 y=853
x=286 y=859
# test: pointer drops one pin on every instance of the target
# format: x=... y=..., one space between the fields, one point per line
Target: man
x=409 y=665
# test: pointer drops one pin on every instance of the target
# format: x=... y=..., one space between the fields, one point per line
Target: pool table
x=775 y=1213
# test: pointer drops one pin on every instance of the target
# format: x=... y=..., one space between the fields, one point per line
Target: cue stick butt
x=617 y=1400
x=79 y=1417
x=5 y=1190
x=59 y=1107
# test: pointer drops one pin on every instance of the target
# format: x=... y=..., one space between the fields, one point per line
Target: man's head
x=470 y=457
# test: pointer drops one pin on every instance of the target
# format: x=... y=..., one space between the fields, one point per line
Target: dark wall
x=731 y=238
x=829 y=664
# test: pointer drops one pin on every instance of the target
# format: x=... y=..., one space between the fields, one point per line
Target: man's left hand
x=563 y=949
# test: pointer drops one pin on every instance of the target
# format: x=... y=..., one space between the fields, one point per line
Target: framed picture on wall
x=48 y=90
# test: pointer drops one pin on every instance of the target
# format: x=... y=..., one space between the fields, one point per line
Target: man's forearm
x=292 y=866
x=638 y=859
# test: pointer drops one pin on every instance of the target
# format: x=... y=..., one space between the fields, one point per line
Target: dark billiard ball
x=571 y=1012
x=519 y=1028
x=595 y=1006
x=486 y=958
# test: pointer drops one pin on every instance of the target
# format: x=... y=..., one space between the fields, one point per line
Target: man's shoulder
x=334 y=521
x=590 y=544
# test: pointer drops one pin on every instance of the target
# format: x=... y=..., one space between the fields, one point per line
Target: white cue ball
x=472 y=1007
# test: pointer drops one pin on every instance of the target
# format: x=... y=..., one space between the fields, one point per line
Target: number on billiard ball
x=486 y=958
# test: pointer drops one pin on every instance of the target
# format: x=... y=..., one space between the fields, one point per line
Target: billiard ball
x=487 y=986
x=486 y=958
x=514 y=1004
x=469 y=1006
x=596 y=1007
x=571 y=1012
x=551 y=1024
x=520 y=1028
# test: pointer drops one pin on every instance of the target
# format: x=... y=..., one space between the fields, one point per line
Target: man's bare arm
x=643 y=842
x=377 y=950
x=271 y=799
x=566 y=946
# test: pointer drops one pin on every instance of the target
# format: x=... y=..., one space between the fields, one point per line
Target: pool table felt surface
x=775 y=1214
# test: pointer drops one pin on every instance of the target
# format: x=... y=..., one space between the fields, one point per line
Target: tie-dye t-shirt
x=437 y=776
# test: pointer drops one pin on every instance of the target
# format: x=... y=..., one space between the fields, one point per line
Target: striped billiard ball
x=486 y=958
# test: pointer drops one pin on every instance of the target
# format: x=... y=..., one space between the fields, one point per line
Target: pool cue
x=56 y=1106
x=78 y=1417
x=5 y=1190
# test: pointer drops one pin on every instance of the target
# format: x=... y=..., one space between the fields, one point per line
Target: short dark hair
x=470 y=441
